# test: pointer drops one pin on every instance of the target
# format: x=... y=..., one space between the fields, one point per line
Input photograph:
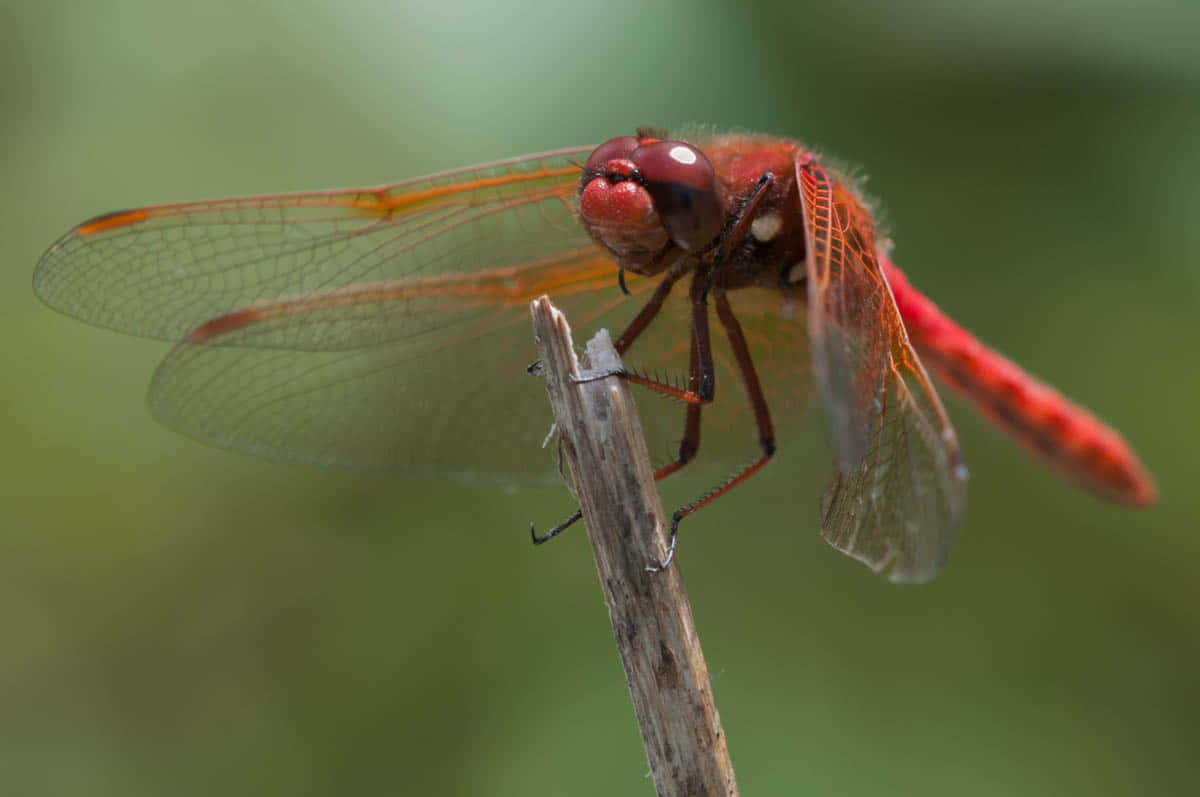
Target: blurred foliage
x=179 y=620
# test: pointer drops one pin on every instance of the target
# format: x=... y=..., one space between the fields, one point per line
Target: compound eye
x=681 y=182
x=620 y=148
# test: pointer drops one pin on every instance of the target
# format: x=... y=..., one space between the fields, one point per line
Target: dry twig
x=651 y=618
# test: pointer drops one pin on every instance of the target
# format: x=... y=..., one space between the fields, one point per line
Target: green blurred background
x=180 y=620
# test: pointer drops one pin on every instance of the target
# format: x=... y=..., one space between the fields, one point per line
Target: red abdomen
x=1083 y=449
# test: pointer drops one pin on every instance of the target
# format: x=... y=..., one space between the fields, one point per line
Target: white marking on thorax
x=766 y=227
x=797 y=272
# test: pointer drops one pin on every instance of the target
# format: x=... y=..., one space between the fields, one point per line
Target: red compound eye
x=681 y=182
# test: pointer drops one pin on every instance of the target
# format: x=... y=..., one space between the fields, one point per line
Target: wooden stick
x=602 y=442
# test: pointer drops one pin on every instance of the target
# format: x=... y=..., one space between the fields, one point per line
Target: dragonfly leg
x=701 y=385
x=762 y=419
x=700 y=380
x=538 y=539
x=648 y=312
x=737 y=231
x=635 y=328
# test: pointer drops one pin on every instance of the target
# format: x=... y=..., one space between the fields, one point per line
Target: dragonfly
x=380 y=327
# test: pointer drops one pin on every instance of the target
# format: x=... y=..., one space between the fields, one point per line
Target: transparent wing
x=164 y=271
x=465 y=406
x=452 y=397
x=898 y=487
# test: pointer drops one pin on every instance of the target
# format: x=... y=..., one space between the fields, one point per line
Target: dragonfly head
x=640 y=196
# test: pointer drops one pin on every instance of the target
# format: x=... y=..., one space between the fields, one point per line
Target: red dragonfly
x=375 y=327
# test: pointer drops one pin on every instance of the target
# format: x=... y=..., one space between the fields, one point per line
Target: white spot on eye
x=766 y=226
x=682 y=154
x=797 y=272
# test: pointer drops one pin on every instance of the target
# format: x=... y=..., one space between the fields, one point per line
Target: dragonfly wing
x=164 y=271
x=898 y=487
x=453 y=398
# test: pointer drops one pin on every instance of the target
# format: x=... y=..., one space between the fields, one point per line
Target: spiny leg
x=700 y=377
x=649 y=311
x=762 y=419
x=633 y=330
x=638 y=325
